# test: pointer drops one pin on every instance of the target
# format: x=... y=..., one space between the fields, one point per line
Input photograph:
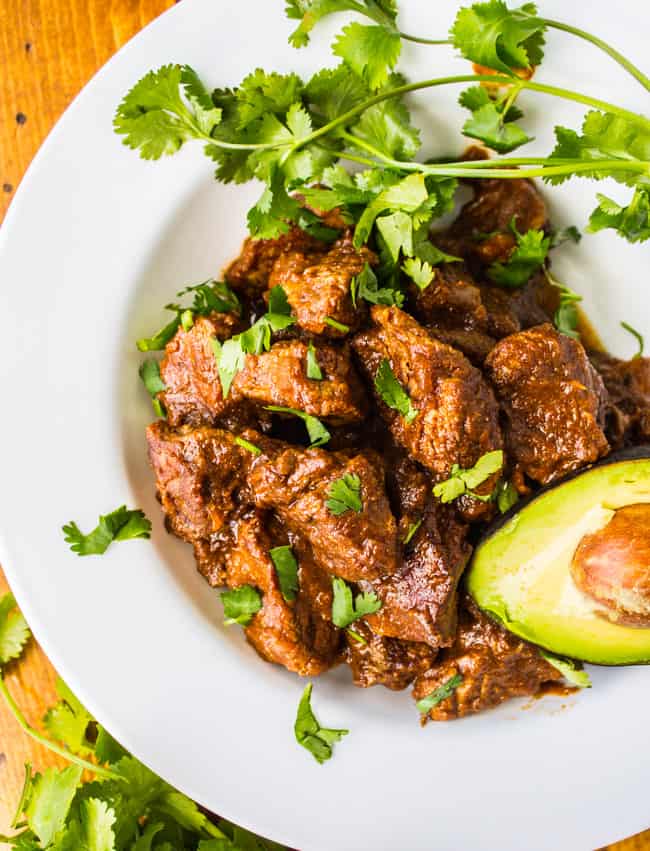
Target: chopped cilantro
x=365 y=286
x=566 y=316
x=412 y=529
x=528 y=256
x=570 y=670
x=345 y=494
x=286 y=567
x=240 y=604
x=309 y=733
x=318 y=434
x=392 y=393
x=120 y=525
x=465 y=481
x=339 y=326
x=638 y=337
x=246 y=444
x=426 y=704
x=355 y=635
x=507 y=496
x=419 y=271
x=345 y=610
x=150 y=374
x=313 y=369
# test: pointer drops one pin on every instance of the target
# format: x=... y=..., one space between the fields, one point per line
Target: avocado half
x=529 y=570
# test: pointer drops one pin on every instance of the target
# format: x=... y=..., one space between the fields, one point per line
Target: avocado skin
x=636 y=453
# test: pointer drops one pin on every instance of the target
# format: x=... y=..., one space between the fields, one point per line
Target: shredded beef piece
x=385 y=661
x=553 y=401
x=457 y=419
x=483 y=229
x=250 y=272
x=318 y=287
x=293 y=634
x=628 y=406
x=279 y=377
x=353 y=545
x=495 y=666
x=420 y=598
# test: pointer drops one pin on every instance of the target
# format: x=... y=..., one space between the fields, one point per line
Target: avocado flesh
x=520 y=573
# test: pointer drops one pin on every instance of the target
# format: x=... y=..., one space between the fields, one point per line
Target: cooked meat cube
x=495 y=665
x=250 y=272
x=385 y=661
x=294 y=634
x=628 y=406
x=452 y=299
x=279 y=377
x=553 y=400
x=420 y=599
x=483 y=229
x=354 y=544
x=475 y=345
x=318 y=288
x=199 y=474
x=190 y=373
x=409 y=486
x=457 y=419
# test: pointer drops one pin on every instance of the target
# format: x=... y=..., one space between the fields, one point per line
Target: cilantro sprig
x=309 y=733
x=344 y=494
x=346 y=609
x=465 y=481
x=527 y=257
x=392 y=393
x=123 y=524
x=240 y=604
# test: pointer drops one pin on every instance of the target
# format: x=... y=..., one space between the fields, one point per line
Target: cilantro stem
x=419 y=40
x=607 y=48
x=43 y=740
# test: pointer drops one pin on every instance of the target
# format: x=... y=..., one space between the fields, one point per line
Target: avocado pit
x=612 y=566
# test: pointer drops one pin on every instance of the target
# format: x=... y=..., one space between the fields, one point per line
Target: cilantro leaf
x=269 y=218
x=371 y=51
x=344 y=494
x=94 y=828
x=631 y=222
x=231 y=359
x=392 y=393
x=333 y=91
x=387 y=127
x=407 y=196
x=246 y=444
x=240 y=604
x=494 y=129
x=150 y=374
x=68 y=721
x=344 y=610
x=50 y=799
x=160 y=339
x=120 y=525
x=426 y=704
x=396 y=230
x=318 y=434
x=313 y=369
x=419 y=271
x=157 y=120
x=309 y=12
x=278 y=302
x=462 y=481
x=507 y=496
x=309 y=733
x=638 y=337
x=14 y=632
x=529 y=254
x=412 y=529
x=570 y=670
x=365 y=286
x=566 y=316
x=496 y=37
x=286 y=567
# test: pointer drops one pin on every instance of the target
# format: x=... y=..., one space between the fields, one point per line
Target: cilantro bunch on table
x=104 y=799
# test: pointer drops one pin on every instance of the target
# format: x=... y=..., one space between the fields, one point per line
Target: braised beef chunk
x=279 y=377
x=483 y=229
x=190 y=373
x=281 y=631
x=419 y=599
x=453 y=298
x=457 y=419
x=553 y=401
x=377 y=660
x=199 y=474
x=628 y=405
x=494 y=665
x=250 y=272
x=318 y=288
x=475 y=345
x=354 y=544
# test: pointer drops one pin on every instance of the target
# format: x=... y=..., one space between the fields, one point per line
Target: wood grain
x=48 y=50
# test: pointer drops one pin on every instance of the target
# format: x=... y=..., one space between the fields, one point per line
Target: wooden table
x=48 y=50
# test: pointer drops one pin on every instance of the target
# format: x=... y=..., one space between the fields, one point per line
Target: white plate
x=95 y=243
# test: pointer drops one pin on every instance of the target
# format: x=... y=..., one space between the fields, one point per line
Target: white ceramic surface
x=95 y=243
